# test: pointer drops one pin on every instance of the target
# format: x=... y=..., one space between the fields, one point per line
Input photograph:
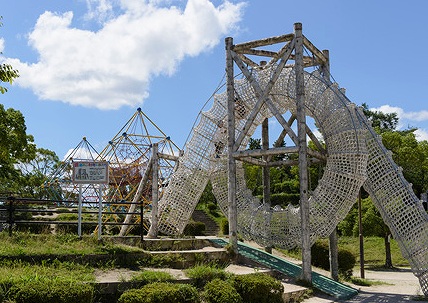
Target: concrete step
x=211 y=227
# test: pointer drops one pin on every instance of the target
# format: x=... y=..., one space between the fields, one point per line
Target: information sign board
x=90 y=172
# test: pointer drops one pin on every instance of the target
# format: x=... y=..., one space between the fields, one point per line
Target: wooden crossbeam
x=263 y=42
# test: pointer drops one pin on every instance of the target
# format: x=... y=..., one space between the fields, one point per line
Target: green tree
x=380 y=121
x=410 y=155
x=7 y=73
x=15 y=147
x=36 y=171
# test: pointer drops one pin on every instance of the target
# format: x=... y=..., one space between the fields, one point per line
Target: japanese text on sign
x=86 y=172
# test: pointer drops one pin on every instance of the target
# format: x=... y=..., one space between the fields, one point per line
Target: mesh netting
x=355 y=157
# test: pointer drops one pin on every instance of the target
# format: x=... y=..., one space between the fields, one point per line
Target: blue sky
x=87 y=65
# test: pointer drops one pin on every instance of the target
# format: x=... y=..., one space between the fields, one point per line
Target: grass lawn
x=374 y=251
x=22 y=243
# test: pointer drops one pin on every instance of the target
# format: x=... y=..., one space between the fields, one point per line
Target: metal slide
x=336 y=289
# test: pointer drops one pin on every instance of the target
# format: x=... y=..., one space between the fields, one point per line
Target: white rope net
x=356 y=157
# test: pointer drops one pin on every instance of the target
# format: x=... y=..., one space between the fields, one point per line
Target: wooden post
x=10 y=210
x=100 y=211
x=333 y=249
x=79 y=213
x=137 y=196
x=266 y=173
x=334 y=256
x=303 y=162
x=153 y=232
x=360 y=232
x=231 y=164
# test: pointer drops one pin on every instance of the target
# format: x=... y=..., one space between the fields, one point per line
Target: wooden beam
x=239 y=48
x=265 y=152
x=261 y=94
x=317 y=155
x=247 y=60
x=282 y=121
x=153 y=231
x=320 y=56
x=254 y=161
x=303 y=161
x=231 y=163
x=284 y=132
x=315 y=140
x=168 y=157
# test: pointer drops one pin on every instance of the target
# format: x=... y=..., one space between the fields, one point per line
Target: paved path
x=399 y=286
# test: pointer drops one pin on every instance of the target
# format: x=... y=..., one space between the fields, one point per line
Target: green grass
x=22 y=243
x=17 y=271
x=374 y=251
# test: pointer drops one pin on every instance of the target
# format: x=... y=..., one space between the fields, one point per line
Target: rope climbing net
x=356 y=157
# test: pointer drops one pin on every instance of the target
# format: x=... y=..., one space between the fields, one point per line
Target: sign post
x=90 y=172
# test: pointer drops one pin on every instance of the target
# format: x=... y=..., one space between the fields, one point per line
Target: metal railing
x=21 y=213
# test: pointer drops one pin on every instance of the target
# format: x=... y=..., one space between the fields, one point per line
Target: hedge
x=161 y=292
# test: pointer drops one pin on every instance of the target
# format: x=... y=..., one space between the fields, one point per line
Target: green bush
x=284 y=199
x=259 y=288
x=151 y=276
x=347 y=262
x=224 y=226
x=202 y=274
x=320 y=258
x=212 y=207
x=51 y=291
x=194 y=228
x=161 y=292
x=219 y=291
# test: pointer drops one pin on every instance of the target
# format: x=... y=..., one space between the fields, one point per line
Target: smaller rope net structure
x=128 y=155
x=59 y=184
x=355 y=158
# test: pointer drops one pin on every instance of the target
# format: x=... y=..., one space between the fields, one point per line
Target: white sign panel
x=86 y=172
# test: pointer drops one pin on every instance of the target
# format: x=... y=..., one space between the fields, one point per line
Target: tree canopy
x=7 y=73
x=15 y=146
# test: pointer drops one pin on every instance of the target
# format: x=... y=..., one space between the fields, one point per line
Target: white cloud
x=1 y=45
x=414 y=116
x=112 y=67
x=421 y=134
x=407 y=118
x=100 y=10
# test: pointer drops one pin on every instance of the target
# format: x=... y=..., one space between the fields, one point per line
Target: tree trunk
x=388 y=258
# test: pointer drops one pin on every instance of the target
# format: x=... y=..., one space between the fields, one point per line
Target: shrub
x=224 y=226
x=202 y=274
x=284 y=199
x=347 y=262
x=51 y=291
x=194 y=228
x=259 y=288
x=219 y=291
x=320 y=258
x=151 y=276
x=212 y=207
x=161 y=292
